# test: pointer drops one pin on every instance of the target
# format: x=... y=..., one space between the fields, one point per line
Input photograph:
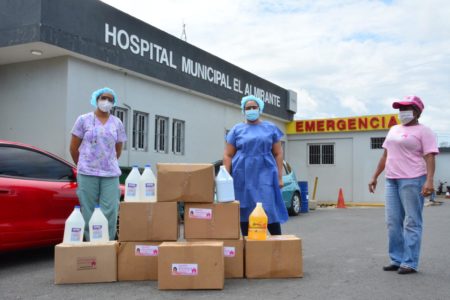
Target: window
x=286 y=169
x=140 y=129
x=122 y=114
x=20 y=162
x=161 y=134
x=321 y=154
x=178 y=137
x=376 y=142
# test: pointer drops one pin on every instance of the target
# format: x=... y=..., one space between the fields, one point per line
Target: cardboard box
x=185 y=183
x=145 y=221
x=86 y=262
x=137 y=261
x=190 y=265
x=277 y=257
x=212 y=221
x=233 y=252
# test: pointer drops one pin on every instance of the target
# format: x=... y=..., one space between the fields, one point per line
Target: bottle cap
x=147 y=165
x=97 y=206
x=135 y=166
x=77 y=206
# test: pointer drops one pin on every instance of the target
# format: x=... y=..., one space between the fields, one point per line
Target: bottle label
x=200 y=213
x=97 y=232
x=229 y=251
x=131 y=189
x=146 y=250
x=257 y=225
x=149 y=189
x=75 y=234
x=185 y=269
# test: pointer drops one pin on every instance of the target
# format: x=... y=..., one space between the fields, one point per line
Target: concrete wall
x=442 y=168
x=354 y=165
x=33 y=103
x=41 y=100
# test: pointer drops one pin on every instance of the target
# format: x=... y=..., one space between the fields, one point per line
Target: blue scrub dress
x=255 y=171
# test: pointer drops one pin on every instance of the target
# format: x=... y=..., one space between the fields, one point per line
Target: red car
x=37 y=194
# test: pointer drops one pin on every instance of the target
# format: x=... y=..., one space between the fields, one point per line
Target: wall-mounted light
x=36 y=52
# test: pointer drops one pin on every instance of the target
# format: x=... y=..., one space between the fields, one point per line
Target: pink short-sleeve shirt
x=406 y=147
x=98 y=147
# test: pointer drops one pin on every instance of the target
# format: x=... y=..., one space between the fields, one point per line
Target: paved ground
x=344 y=250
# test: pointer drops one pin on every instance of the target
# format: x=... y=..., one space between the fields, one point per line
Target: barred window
x=321 y=154
x=376 y=142
x=161 y=134
x=122 y=114
x=140 y=129
x=178 y=137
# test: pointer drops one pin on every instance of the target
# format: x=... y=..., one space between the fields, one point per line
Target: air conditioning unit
x=292 y=101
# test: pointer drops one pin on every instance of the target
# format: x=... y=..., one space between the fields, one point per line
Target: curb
x=353 y=204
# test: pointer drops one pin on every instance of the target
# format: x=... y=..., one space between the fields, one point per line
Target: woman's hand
x=280 y=182
x=427 y=188
x=372 y=185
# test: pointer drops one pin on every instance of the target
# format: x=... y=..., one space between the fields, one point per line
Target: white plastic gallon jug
x=224 y=186
x=147 y=185
x=132 y=185
x=98 y=226
x=74 y=228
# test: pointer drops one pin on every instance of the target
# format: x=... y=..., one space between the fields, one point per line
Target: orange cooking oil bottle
x=257 y=223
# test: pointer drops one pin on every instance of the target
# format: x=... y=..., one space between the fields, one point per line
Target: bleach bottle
x=132 y=185
x=74 y=228
x=224 y=186
x=147 y=185
x=257 y=224
x=98 y=226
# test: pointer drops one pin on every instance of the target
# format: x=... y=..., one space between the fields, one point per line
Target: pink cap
x=409 y=100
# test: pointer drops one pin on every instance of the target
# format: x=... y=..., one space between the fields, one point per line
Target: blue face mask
x=252 y=115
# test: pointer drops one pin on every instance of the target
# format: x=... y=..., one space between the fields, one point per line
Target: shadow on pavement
x=22 y=257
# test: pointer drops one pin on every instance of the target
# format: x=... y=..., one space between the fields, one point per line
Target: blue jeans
x=404 y=206
x=103 y=191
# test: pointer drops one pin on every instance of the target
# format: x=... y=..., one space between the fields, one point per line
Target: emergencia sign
x=362 y=123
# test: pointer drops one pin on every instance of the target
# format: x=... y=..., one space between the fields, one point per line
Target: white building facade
x=176 y=101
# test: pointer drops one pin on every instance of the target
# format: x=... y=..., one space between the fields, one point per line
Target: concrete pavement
x=344 y=250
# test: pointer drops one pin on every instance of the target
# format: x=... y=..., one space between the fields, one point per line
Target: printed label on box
x=86 y=263
x=75 y=235
x=200 y=213
x=146 y=250
x=185 y=269
x=97 y=231
x=229 y=251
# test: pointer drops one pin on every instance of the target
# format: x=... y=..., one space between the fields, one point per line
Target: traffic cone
x=341 y=202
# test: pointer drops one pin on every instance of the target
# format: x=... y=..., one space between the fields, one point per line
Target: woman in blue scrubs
x=254 y=154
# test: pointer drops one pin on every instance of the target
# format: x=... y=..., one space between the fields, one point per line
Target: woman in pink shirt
x=408 y=158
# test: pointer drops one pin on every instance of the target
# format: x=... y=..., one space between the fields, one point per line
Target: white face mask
x=405 y=116
x=104 y=105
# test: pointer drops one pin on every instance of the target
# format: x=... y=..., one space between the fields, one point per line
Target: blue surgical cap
x=104 y=90
x=252 y=98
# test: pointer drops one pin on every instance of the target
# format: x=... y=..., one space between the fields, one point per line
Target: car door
x=37 y=194
x=290 y=184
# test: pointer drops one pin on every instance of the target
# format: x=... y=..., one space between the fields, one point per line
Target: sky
x=342 y=57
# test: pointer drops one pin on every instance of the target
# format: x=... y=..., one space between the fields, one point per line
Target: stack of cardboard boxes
x=148 y=246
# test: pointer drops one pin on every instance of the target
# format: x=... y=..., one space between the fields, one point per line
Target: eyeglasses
x=110 y=99
x=251 y=107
